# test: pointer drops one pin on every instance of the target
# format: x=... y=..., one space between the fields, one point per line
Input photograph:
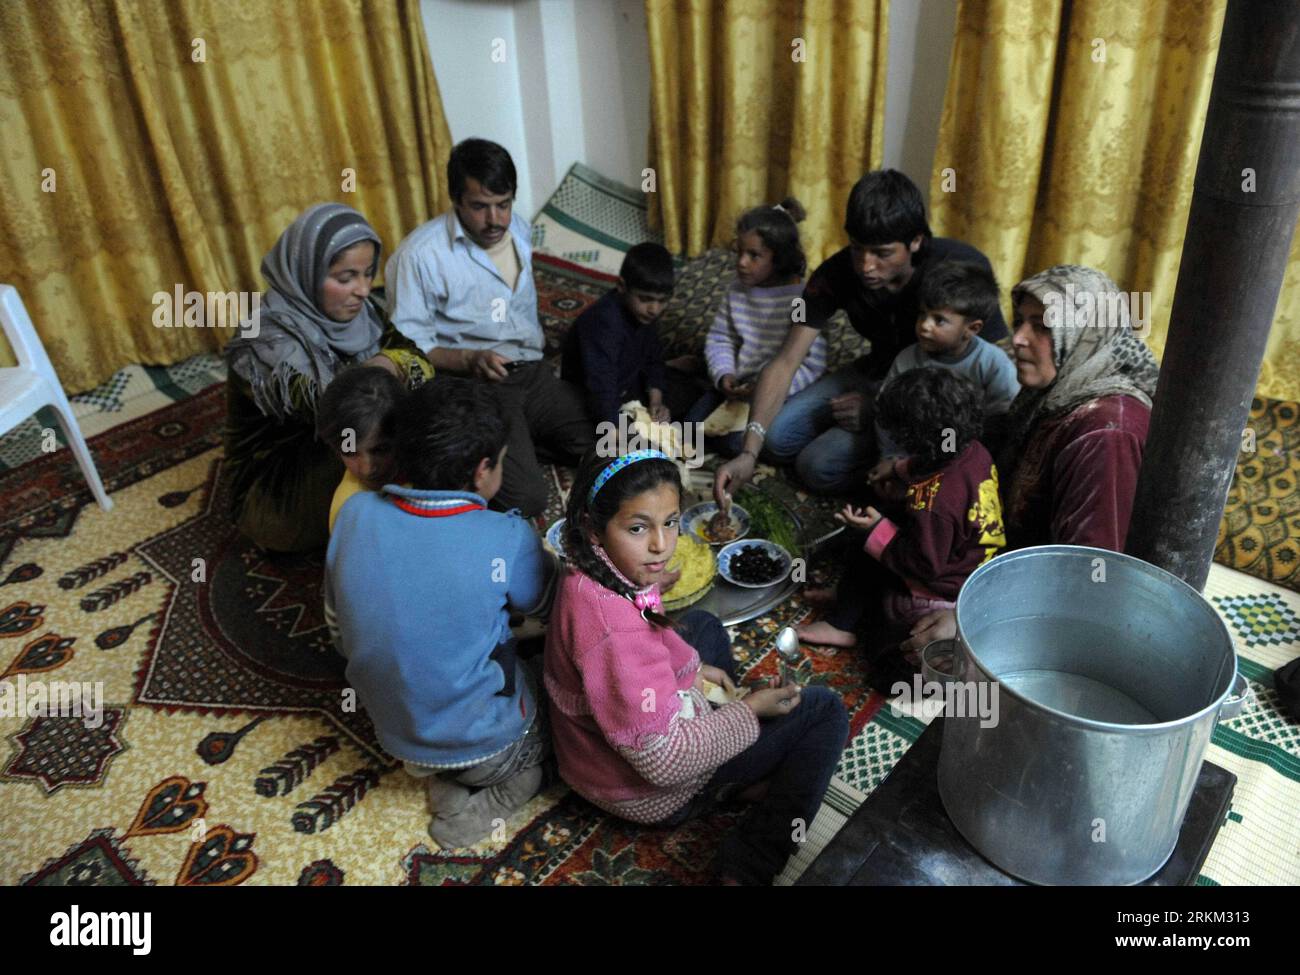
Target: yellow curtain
x=754 y=100
x=150 y=143
x=1070 y=134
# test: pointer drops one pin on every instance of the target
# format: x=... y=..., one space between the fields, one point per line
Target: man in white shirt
x=461 y=288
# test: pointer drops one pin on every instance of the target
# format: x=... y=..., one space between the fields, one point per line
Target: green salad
x=769 y=519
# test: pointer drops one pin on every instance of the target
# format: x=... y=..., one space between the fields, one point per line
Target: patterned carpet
x=226 y=754
x=1260 y=842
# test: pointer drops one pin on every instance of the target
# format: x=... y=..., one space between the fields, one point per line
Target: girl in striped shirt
x=757 y=312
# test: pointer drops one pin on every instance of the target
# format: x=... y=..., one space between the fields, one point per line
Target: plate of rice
x=699 y=570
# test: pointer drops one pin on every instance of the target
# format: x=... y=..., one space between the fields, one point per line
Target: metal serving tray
x=735 y=604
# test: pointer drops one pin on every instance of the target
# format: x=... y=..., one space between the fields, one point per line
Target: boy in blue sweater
x=956 y=299
x=421 y=581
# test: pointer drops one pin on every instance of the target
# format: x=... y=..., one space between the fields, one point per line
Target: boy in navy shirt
x=421 y=581
x=613 y=350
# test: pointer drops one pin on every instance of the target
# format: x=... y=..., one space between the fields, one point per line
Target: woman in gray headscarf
x=1077 y=428
x=1076 y=431
x=316 y=319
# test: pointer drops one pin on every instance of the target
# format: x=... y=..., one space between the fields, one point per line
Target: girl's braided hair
x=583 y=517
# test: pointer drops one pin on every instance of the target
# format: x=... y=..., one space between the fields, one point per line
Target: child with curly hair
x=952 y=521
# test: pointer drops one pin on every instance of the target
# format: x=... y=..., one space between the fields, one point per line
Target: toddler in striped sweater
x=756 y=314
x=632 y=729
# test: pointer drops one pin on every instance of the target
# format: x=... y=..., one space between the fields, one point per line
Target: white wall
x=920 y=44
x=614 y=65
x=574 y=85
x=480 y=97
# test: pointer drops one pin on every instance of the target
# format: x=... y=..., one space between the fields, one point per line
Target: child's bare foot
x=819 y=597
x=823 y=634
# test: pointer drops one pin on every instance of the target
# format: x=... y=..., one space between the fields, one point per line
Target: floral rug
x=225 y=754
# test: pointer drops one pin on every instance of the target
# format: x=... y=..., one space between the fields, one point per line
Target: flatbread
x=666 y=437
x=716 y=694
x=731 y=417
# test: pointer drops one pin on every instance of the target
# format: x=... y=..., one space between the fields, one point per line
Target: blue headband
x=625 y=461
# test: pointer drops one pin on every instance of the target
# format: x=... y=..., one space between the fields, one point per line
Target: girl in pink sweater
x=632 y=729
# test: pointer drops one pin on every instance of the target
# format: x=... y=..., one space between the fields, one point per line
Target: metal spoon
x=787 y=655
x=825 y=538
x=787 y=644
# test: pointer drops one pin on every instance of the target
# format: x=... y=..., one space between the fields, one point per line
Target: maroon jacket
x=954 y=525
x=1077 y=476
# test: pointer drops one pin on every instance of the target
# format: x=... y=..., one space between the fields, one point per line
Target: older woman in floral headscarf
x=1076 y=431
x=316 y=319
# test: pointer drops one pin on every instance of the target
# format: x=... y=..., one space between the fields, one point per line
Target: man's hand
x=865 y=518
x=486 y=364
x=730 y=478
x=734 y=390
x=847 y=410
x=939 y=625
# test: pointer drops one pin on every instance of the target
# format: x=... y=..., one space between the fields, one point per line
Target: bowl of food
x=699 y=568
x=754 y=563
x=707 y=522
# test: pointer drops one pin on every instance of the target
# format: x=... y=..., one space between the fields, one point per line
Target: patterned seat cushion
x=1261 y=523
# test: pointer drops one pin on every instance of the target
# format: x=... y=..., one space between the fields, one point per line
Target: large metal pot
x=1110 y=675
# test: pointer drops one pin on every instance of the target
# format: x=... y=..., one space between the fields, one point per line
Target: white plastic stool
x=31 y=384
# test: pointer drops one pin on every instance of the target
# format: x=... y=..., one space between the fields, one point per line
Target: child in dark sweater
x=613 y=351
x=952 y=520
